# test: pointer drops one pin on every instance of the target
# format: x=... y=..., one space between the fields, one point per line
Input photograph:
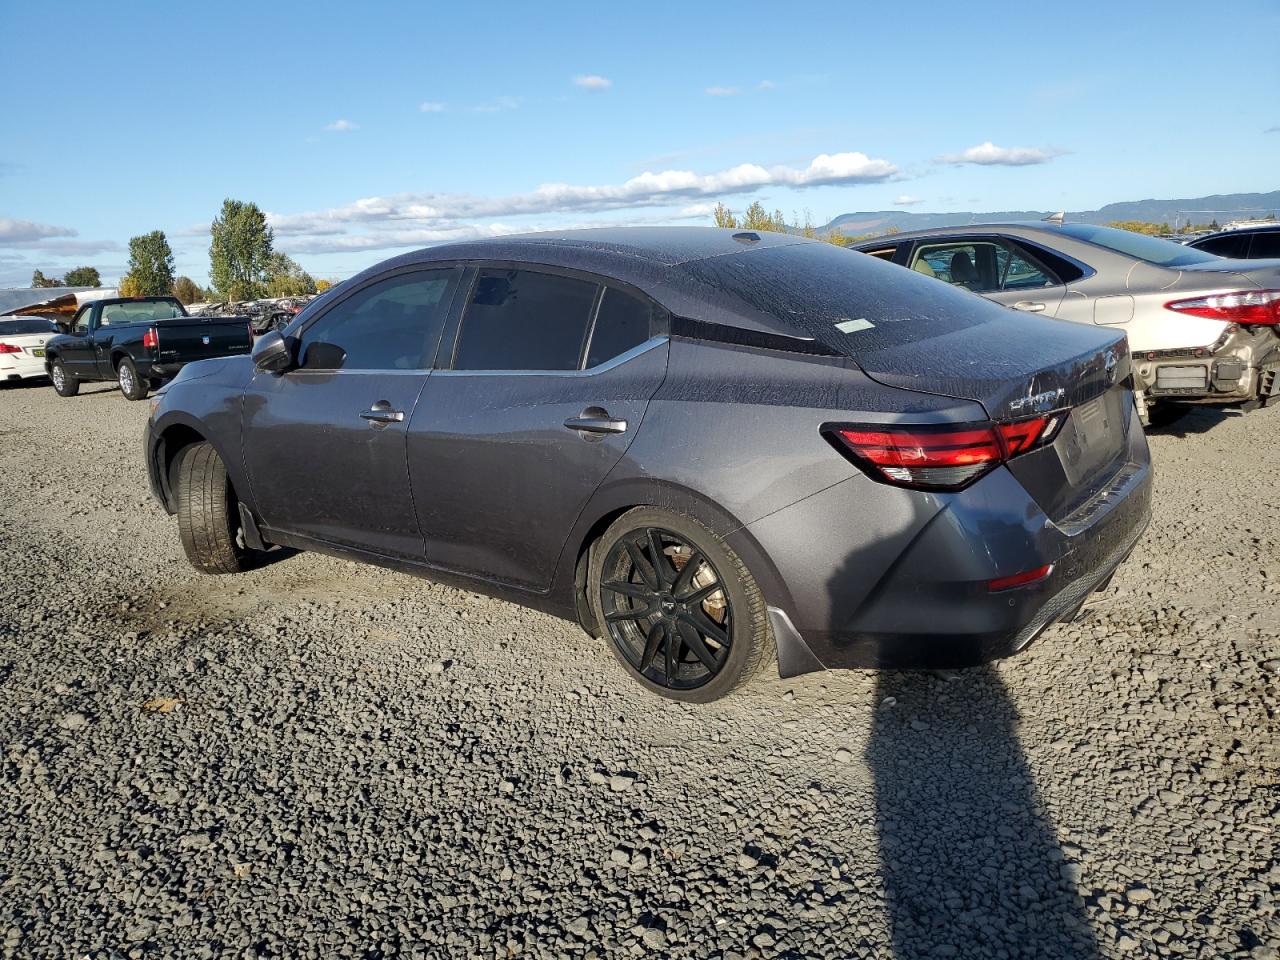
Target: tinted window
x=521 y=320
x=1266 y=245
x=20 y=325
x=845 y=300
x=390 y=325
x=1163 y=253
x=622 y=323
x=1230 y=245
x=884 y=253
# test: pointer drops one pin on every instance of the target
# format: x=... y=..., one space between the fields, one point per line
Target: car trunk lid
x=1018 y=369
x=186 y=339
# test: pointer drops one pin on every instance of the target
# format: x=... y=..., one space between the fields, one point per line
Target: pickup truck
x=138 y=342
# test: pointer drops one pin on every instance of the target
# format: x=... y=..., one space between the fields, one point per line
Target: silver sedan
x=1201 y=329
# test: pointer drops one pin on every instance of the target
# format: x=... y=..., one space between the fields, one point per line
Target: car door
x=324 y=442
x=995 y=267
x=548 y=382
x=77 y=349
x=110 y=322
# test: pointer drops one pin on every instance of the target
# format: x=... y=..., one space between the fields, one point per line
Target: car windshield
x=139 y=311
x=20 y=325
x=848 y=301
x=1163 y=253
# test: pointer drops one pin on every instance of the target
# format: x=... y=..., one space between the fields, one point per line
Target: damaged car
x=1201 y=329
x=703 y=446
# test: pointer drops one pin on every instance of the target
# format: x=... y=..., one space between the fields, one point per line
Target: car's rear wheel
x=208 y=514
x=679 y=609
x=64 y=384
x=131 y=385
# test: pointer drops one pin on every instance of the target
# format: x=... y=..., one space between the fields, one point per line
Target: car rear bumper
x=921 y=598
x=14 y=366
x=1228 y=372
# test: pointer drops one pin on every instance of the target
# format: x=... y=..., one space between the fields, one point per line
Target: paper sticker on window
x=853 y=326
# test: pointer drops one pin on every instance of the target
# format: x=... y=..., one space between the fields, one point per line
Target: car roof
x=1243 y=231
x=1017 y=226
x=647 y=258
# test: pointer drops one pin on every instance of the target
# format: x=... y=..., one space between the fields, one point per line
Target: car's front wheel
x=64 y=384
x=131 y=385
x=679 y=609
x=208 y=513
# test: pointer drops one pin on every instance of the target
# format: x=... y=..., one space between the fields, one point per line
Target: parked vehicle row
x=1201 y=329
x=137 y=342
x=705 y=447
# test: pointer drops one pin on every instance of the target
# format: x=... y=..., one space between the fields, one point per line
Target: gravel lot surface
x=320 y=759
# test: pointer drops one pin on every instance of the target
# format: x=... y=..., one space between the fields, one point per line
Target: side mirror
x=272 y=353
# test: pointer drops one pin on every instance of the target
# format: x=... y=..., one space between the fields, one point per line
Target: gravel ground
x=320 y=759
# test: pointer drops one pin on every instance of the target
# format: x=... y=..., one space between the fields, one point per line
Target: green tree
x=1137 y=226
x=38 y=279
x=185 y=289
x=82 y=277
x=240 y=251
x=285 y=278
x=724 y=217
x=150 y=265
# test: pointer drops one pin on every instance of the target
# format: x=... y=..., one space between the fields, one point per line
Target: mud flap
x=794 y=656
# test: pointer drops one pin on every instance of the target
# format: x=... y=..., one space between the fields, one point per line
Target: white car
x=22 y=341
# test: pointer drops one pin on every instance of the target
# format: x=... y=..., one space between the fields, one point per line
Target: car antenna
x=749 y=236
x=1057 y=218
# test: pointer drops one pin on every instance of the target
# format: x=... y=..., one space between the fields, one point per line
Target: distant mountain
x=1220 y=207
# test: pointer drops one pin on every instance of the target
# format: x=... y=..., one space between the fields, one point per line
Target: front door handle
x=596 y=421
x=1029 y=306
x=381 y=413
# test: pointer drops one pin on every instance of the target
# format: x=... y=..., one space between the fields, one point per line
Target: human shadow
x=970 y=863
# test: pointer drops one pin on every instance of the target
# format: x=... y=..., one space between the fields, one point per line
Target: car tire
x=208 y=514
x=618 y=585
x=131 y=385
x=64 y=384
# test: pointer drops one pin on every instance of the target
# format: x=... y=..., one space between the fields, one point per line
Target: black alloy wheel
x=666 y=608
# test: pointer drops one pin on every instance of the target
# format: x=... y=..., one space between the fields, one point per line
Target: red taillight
x=151 y=338
x=1026 y=578
x=9 y=348
x=1246 y=306
x=941 y=457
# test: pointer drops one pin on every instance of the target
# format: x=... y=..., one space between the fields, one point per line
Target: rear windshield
x=841 y=298
x=19 y=325
x=1163 y=253
x=139 y=312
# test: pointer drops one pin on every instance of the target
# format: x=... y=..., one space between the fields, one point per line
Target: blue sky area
x=368 y=129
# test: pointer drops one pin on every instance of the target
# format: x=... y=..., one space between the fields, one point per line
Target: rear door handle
x=1030 y=306
x=598 y=424
x=381 y=412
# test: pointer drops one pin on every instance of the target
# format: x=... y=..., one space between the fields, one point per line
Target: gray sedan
x=1201 y=329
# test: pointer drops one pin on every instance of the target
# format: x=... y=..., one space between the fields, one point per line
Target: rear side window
x=21 y=325
x=1234 y=246
x=393 y=324
x=522 y=320
x=138 y=312
x=622 y=323
x=884 y=253
x=1266 y=246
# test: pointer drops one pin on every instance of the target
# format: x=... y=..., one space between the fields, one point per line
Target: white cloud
x=905 y=200
x=496 y=106
x=1275 y=129
x=766 y=85
x=21 y=233
x=592 y=81
x=342 y=126
x=722 y=91
x=988 y=154
x=410 y=219
x=431 y=106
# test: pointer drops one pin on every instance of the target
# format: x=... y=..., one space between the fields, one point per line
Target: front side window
x=983 y=266
x=393 y=324
x=523 y=320
x=81 y=322
x=622 y=322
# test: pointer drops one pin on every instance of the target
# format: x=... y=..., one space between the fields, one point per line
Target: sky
x=368 y=129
